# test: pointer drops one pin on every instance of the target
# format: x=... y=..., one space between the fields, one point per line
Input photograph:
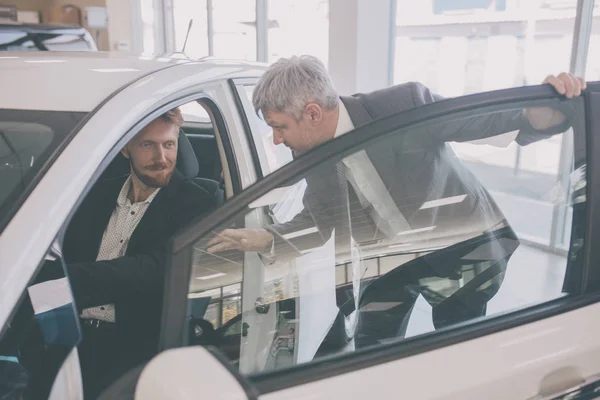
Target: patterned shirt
x=123 y=221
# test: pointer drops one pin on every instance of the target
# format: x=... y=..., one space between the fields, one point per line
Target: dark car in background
x=38 y=37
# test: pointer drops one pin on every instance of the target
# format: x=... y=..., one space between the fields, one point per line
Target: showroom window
x=288 y=33
x=458 y=48
x=149 y=29
x=234 y=24
x=183 y=12
x=244 y=29
x=462 y=47
x=593 y=56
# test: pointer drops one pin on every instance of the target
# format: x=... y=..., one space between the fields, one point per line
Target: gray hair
x=291 y=83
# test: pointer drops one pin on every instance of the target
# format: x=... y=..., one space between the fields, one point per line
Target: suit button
x=102 y=308
x=121 y=241
x=133 y=213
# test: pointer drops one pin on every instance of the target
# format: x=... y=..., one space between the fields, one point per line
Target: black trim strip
x=233 y=84
x=249 y=389
x=591 y=276
x=327 y=367
x=175 y=306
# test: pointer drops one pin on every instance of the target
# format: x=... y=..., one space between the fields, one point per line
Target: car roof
x=42 y=28
x=80 y=81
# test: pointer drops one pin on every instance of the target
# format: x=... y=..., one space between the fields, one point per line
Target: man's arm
x=281 y=241
x=533 y=124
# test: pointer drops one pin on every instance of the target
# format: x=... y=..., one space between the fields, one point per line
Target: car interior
x=199 y=159
x=198 y=156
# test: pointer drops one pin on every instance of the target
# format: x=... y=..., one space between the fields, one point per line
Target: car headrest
x=187 y=163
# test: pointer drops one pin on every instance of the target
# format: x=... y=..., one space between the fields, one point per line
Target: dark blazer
x=134 y=283
x=416 y=165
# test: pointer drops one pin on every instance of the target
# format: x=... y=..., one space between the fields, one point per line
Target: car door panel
x=505 y=365
x=523 y=343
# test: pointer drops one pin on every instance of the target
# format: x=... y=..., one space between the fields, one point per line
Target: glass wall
x=592 y=71
x=292 y=27
x=457 y=47
x=234 y=24
x=298 y=27
x=148 y=18
x=461 y=47
x=183 y=12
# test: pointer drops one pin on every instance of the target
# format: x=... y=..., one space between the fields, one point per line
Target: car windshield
x=23 y=41
x=28 y=141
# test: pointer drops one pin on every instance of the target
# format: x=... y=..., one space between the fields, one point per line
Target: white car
x=246 y=325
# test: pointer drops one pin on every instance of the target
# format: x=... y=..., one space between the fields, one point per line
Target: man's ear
x=313 y=112
x=125 y=152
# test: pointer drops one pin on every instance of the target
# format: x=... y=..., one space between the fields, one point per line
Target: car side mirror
x=13 y=380
x=174 y=374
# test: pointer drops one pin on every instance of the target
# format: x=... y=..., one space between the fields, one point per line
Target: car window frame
x=584 y=288
x=236 y=85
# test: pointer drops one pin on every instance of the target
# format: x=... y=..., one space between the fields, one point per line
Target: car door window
x=271 y=157
x=41 y=334
x=426 y=226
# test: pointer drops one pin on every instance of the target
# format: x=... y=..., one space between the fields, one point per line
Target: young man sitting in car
x=116 y=246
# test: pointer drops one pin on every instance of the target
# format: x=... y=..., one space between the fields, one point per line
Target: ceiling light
x=420 y=230
x=213 y=276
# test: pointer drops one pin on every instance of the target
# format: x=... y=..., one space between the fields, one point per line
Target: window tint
x=27 y=140
x=426 y=227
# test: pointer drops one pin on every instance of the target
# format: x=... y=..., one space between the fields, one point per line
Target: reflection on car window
x=27 y=139
x=422 y=229
x=271 y=157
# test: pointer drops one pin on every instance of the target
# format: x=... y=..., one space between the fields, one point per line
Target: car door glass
x=440 y=223
x=271 y=156
x=41 y=334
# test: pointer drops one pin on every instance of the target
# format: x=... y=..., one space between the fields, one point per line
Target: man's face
x=299 y=135
x=153 y=153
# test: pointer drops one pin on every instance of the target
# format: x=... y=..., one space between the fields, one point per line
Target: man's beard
x=152 y=181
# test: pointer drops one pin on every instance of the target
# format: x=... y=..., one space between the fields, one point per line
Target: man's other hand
x=570 y=86
x=241 y=239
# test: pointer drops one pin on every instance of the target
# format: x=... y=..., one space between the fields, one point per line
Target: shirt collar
x=123 y=200
x=344 y=124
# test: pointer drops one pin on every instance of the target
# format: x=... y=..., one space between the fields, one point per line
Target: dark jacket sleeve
x=101 y=282
x=488 y=125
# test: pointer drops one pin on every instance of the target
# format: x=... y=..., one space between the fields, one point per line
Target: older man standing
x=298 y=100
